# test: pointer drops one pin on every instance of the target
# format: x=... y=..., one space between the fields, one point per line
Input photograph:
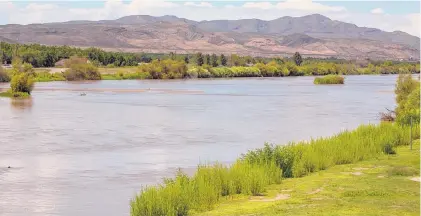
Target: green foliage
x=46 y=76
x=223 y=60
x=199 y=59
x=329 y=79
x=214 y=60
x=46 y=56
x=4 y=76
x=22 y=82
x=79 y=69
x=298 y=59
x=165 y=69
x=254 y=171
x=11 y=94
x=207 y=59
x=203 y=190
x=237 y=60
x=300 y=159
x=408 y=99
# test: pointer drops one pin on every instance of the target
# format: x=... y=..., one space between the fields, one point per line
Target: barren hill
x=313 y=35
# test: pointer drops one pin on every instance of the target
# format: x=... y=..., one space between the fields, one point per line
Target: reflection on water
x=21 y=104
x=73 y=155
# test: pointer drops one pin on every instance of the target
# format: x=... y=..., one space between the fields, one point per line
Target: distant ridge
x=313 y=35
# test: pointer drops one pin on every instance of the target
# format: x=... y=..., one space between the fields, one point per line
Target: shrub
x=82 y=71
x=219 y=72
x=388 y=149
x=387 y=116
x=404 y=86
x=22 y=83
x=329 y=79
x=165 y=69
x=408 y=100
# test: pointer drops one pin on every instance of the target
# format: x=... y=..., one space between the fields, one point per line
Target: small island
x=21 y=82
x=329 y=79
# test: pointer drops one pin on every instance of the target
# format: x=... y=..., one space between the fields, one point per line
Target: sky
x=385 y=15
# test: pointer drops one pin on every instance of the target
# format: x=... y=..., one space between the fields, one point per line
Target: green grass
x=46 y=76
x=255 y=171
x=329 y=79
x=104 y=70
x=10 y=94
x=363 y=188
x=125 y=76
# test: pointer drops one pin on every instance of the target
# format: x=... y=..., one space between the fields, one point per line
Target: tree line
x=46 y=56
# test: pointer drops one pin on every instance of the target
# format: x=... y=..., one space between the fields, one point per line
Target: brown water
x=89 y=155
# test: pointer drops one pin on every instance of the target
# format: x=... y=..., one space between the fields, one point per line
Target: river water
x=89 y=155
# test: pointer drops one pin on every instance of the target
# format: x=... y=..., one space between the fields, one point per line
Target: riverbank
x=169 y=69
x=386 y=185
x=255 y=171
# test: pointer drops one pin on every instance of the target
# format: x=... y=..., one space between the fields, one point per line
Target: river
x=89 y=155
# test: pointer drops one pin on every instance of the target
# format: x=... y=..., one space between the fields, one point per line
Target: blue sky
x=386 y=15
x=393 y=7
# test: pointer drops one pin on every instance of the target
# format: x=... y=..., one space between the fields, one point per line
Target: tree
x=223 y=60
x=298 y=59
x=208 y=59
x=214 y=60
x=199 y=59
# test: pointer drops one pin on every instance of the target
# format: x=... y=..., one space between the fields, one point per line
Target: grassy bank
x=329 y=79
x=10 y=94
x=378 y=186
x=255 y=171
x=172 y=69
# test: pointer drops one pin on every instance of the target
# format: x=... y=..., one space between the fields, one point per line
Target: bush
x=329 y=79
x=82 y=71
x=165 y=69
x=408 y=100
x=22 y=83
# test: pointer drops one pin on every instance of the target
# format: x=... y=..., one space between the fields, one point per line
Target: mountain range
x=311 y=35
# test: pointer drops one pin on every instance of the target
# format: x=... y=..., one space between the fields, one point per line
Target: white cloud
x=201 y=4
x=259 y=5
x=112 y=9
x=299 y=5
x=307 y=5
x=377 y=11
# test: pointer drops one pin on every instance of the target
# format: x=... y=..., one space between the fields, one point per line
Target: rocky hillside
x=313 y=35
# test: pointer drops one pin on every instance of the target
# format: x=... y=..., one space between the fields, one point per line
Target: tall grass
x=329 y=79
x=302 y=158
x=257 y=169
x=203 y=190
